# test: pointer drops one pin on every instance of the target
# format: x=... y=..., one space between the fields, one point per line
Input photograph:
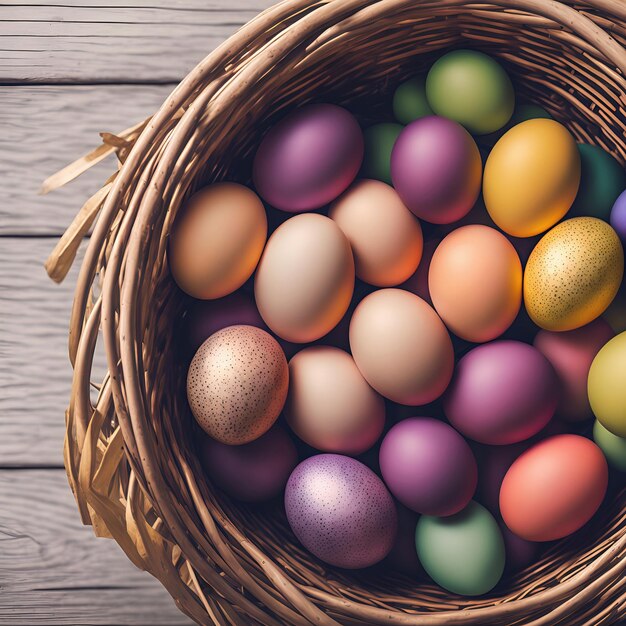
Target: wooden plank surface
x=114 y=41
x=53 y=570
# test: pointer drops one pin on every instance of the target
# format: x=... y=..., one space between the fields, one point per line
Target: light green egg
x=409 y=100
x=614 y=447
x=463 y=553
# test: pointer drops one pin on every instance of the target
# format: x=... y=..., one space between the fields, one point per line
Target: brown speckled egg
x=573 y=274
x=237 y=384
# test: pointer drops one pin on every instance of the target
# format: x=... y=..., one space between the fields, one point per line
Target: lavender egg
x=502 y=392
x=308 y=158
x=341 y=511
x=253 y=472
x=618 y=216
x=436 y=169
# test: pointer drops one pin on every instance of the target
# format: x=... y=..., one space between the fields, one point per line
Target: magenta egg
x=428 y=466
x=341 y=511
x=309 y=158
x=436 y=169
x=501 y=393
x=253 y=472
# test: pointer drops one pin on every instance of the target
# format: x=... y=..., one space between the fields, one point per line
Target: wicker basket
x=129 y=453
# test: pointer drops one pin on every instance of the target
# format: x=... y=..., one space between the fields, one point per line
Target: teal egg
x=379 y=140
x=463 y=553
x=613 y=447
x=471 y=88
x=602 y=179
x=409 y=101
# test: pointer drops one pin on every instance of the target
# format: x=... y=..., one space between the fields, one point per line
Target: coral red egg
x=554 y=488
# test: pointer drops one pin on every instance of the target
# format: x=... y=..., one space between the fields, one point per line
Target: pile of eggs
x=415 y=355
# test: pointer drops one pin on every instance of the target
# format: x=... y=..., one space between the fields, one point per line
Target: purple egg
x=206 y=317
x=341 y=511
x=308 y=158
x=519 y=552
x=403 y=555
x=501 y=393
x=253 y=472
x=428 y=466
x=436 y=169
x=618 y=216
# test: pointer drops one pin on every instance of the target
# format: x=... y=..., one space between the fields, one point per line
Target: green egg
x=522 y=113
x=602 y=179
x=615 y=315
x=379 y=140
x=614 y=447
x=463 y=553
x=472 y=89
x=409 y=101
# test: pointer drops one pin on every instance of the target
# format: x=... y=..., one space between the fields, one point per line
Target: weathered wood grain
x=119 y=41
x=46 y=127
x=54 y=571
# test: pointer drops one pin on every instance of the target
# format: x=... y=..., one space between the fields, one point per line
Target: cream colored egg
x=217 y=240
x=305 y=279
x=573 y=274
x=386 y=238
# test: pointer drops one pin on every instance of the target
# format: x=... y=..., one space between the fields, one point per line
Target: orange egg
x=386 y=238
x=475 y=282
x=554 y=488
x=217 y=240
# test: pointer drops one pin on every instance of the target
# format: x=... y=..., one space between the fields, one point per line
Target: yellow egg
x=573 y=274
x=531 y=177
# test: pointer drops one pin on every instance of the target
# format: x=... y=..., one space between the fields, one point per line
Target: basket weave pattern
x=129 y=452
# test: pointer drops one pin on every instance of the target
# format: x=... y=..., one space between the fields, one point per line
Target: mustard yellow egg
x=531 y=177
x=573 y=274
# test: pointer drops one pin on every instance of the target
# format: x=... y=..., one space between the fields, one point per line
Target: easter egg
x=305 y=278
x=521 y=113
x=428 y=466
x=418 y=282
x=519 y=552
x=571 y=354
x=409 y=100
x=401 y=347
x=330 y=405
x=602 y=179
x=379 y=140
x=613 y=447
x=217 y=240
x=463 y=553
x=403 y=555
x=308 y=158
x=615 y=314
x=436 y=169
x=253 y=472
x=607 y=391
x=475 y=282
x=386 y=238
x=471 y=88
x=206 y=317
x=554 y=488
x=237 y=384
x=573 y=274
x=618 y=216
x=501 y=393
x=531 y=177
x=341 y=511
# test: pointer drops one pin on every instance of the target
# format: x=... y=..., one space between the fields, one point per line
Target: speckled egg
x=237 y=384
x=308 y=158
x=573 y=274
x=341 y=511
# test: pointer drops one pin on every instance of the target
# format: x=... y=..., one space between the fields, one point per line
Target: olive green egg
x=602 y=179
x=463 y=553
x=379 y=140
x=614 y=447
x=409 y=100
x=522 y=113
x=471 y=88
x=615 y=315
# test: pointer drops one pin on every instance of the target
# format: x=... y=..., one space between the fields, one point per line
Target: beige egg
x=305 y=279
x=475 y=282
x=573 y=274
x=330 y=405
x=386 y=238
x=401 y=347
x=217 y=240
x=237 y=384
